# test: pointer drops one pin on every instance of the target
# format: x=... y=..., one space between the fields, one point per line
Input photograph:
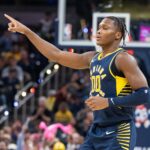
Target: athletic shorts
x=117 y=137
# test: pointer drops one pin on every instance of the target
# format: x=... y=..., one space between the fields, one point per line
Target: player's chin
x=99 y=43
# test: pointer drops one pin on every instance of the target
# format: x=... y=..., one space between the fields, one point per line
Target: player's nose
x=98 y=34
x=99 y=31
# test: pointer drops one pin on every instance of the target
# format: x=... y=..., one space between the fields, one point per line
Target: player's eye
x=105 y=28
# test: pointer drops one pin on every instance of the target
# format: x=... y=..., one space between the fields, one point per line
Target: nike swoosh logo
x=107 y=132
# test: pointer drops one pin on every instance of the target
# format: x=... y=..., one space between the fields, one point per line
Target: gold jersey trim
x=121 y=82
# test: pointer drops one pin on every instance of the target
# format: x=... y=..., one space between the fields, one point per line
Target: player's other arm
x=72 y=60
x=128 y=65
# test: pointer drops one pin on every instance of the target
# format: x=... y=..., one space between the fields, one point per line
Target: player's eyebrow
x=103 y=24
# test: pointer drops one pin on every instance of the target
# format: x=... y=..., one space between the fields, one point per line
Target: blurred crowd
x=19 y=61
x=59 y=122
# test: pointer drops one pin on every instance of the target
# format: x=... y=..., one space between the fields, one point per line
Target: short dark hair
x=121 y=26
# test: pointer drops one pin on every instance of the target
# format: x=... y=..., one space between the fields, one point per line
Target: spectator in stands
x=1 y=134
x=51 y=100
x=16 y=129
x=6 y=41
x=23 y=140
x=84 y=32
x=11 y=85
x=87 y=121
x=75 y=104
x=24 y=137
x=5 y=135
x=59 y=146
x=86 y=85
x=46 y=23
x=75 y=84
x=47 y=26
x=61 y=96
x=13 y=65
x=2 y=64
x=26 y=64
x=7 y=138
x=15 y=51
x=84 y=119
x=74 y=141
x=7 y=130
x=41 y=113
x=2 y=93
x=64 y=115
x=3 y=145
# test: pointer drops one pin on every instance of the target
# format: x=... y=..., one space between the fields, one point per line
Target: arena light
x=6 y=112
x=24 y=94
x=38 y=63
x=32 y=90
x=56 y=66
x=71 y=50
x=40 y=80
x=48 y=71
x=16 y=104
x=130 y=51
x=85 y=30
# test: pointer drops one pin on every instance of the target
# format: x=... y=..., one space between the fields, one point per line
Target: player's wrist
x=111 y=102
x=27 y=31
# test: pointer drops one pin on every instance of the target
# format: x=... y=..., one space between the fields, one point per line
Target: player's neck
x=109 y=49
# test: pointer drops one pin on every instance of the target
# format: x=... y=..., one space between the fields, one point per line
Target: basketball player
x=117 y=83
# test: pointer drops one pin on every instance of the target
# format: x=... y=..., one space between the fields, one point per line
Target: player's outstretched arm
x=72 y=60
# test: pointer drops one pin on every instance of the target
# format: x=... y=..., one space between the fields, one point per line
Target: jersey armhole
x=113 y=69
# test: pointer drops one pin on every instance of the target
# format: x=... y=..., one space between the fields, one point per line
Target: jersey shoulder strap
x=113 y=67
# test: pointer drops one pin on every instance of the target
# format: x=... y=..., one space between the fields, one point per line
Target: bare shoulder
x=124 y=60
x=125 y=57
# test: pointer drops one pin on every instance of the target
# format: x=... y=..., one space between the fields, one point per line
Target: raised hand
x=16 y=26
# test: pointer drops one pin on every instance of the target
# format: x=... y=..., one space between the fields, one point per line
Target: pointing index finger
x=9 y=18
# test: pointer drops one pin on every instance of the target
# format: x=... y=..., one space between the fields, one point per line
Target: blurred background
x=42 y=103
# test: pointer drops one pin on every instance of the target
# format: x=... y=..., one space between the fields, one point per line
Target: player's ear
x=118 y=35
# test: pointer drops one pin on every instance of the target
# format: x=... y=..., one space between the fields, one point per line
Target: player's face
x=106 y=33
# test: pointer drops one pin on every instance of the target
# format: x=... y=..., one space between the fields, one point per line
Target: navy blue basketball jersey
x=107 y=81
